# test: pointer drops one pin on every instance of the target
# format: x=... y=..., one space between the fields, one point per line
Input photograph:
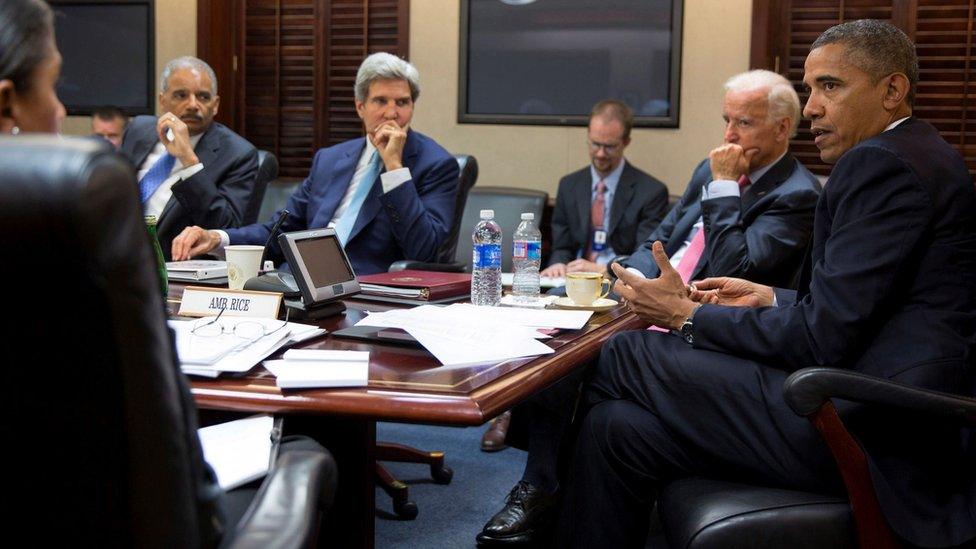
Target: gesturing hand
x=389 y=140
x=662 y=301
x=733 y=292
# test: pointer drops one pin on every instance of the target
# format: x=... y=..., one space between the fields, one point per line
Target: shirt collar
x=610 y=180
x=896 y=123
x=757 y=175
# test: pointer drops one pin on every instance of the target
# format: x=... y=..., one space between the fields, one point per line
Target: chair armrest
x=285 y=511
x=424 y=266
x=807 y=389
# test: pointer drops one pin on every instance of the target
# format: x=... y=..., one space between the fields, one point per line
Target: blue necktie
x=155 y=176
x=344 y=226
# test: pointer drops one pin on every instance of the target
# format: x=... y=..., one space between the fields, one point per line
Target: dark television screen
x=549 y=61
x=108 y=55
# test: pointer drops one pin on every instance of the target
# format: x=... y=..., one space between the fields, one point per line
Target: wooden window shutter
x=300 y=60
x=943 y=33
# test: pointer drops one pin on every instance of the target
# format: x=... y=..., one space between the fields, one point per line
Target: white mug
x=243 y=262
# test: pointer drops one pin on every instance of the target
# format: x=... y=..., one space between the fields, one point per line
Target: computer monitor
x=319 y=264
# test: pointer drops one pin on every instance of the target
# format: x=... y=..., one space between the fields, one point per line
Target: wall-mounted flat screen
x=108 y=54
x=549 y=61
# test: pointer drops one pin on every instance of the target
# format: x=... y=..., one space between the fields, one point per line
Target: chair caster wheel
x=441 y=474
x=405 y=511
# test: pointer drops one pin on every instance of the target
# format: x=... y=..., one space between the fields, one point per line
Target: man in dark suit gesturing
x=887 y=290
x=608 y=207
x=748 y=209
x=389 y=196
x=206 y=173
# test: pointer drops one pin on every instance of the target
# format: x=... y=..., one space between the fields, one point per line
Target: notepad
x=239 y=451
x=309 y=368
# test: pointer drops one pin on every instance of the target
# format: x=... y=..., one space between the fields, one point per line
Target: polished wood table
x=406 y=384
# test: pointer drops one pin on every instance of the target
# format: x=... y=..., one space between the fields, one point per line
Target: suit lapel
x=207 y=150
x=339 y=179
x=776 y=175
x=143 y=146
x=622 y=197
x=584 y=202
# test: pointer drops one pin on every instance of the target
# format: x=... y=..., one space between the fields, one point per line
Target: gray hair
x=877 y=48
x=187 y=62
x=384 y=66
x=781 y=97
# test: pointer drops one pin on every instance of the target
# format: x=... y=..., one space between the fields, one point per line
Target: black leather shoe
x=526 y=515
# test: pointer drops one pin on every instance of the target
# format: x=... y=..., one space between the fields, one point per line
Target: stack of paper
x=239 y=451
x=463 y=334
x=304 y=368
x=227 y=352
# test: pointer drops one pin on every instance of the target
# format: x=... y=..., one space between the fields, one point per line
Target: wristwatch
x=687 y=329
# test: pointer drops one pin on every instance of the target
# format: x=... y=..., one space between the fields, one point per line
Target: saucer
x=600 y=305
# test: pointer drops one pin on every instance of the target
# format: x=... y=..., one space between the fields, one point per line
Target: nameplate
x=199 y=301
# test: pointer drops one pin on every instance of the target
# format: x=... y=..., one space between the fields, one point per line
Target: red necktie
x=596 y=217
x=695 y=249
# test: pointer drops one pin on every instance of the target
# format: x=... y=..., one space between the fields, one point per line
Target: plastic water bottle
x=486 y=272
x=526 y=257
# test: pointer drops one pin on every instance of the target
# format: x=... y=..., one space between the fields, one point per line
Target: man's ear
x=896 y=90
x=6 y=106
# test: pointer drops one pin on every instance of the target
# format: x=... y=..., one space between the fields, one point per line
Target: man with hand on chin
x=191 y=170
x=389 y=196
x=886 y=290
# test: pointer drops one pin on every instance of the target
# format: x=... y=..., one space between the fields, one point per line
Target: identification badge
x=599 y=240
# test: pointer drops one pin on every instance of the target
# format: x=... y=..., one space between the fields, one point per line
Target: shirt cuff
x=188 y=172
x=224 y=242
x=720 y=188
x=394 y=179
x=636 y=272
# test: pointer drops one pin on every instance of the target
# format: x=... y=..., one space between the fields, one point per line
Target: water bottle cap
x=487 y=214
x=528 y=216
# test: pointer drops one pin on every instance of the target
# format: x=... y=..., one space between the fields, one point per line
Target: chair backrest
x=509 y=203
x=267 y=172
x=96 y=405
x=468 y=176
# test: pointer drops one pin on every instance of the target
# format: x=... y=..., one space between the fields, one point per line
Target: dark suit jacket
x=213 y=198
x=760 y=236
x=888 y=291
x=639 y=203
x=409 y=222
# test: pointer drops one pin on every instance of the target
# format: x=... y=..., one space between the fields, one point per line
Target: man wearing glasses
x=607 y=208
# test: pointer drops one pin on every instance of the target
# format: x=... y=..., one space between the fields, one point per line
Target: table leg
x=352 y=443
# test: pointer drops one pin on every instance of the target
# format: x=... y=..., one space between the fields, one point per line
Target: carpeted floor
x=450 y=516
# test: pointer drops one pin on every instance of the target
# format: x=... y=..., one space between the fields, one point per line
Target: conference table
x=406 y=384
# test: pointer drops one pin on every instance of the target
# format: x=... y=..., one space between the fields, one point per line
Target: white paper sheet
x=294 y=374
x=239 y=451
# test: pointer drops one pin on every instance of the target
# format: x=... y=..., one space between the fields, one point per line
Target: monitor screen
x=108 y=52
x=324 y=260
x=549 y=62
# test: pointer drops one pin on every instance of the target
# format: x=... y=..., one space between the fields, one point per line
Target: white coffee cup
x=243 y=262
x=586 y=287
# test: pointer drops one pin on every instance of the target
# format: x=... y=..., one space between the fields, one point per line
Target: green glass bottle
x=160 y=262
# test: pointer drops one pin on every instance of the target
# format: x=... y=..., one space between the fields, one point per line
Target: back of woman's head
x=26 y=28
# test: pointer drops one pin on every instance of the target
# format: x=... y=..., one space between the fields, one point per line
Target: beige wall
x=176 y=35
x=715 y=46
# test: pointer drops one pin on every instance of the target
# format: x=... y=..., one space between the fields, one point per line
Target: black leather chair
x=97 y=416
x=267 y=172
x=698 y=513
x=509 y=204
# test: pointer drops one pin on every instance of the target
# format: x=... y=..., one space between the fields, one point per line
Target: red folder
x=422 y=285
